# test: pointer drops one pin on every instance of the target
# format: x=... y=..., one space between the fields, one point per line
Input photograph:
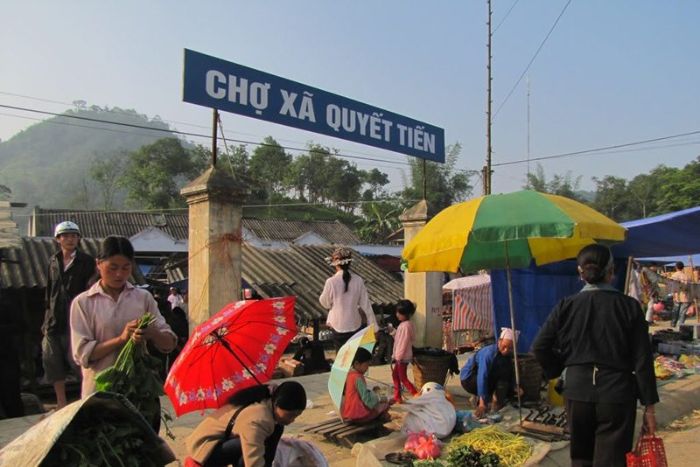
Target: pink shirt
x=95 y=317
x=344 y=314
x=403 y=341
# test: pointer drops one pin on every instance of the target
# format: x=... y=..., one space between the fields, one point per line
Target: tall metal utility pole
x=528 y=129
x=214 y=128
x=487 y=174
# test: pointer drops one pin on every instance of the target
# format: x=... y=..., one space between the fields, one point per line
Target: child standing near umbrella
x=360 y=404
x=403 y=349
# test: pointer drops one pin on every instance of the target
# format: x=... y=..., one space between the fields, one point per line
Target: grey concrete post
x=423 y=288
x=215 y=201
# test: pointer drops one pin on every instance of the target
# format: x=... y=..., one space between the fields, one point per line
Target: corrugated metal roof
x=26 y=266
x=100 y=224
x=302 y=271
x=287 y=231
x=9 y=233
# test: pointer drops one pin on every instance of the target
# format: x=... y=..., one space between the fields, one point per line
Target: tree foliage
x=562 y=185
x=444 y=183
x=156 y=172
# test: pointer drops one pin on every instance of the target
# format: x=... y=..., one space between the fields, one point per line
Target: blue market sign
x=227 y=86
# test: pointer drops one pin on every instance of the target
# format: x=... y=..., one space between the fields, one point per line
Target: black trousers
x=500 y=384
x=229 y=452
x=340 y=338
x=601 y=433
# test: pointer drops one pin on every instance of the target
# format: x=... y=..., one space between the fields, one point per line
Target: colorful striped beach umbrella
x=508 y=230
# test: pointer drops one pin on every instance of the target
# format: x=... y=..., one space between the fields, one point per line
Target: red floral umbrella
x=237 y=348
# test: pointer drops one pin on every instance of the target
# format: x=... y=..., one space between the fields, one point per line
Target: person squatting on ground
x=404 y=336
x=104 y=317
x=246 y=431
x=343 y=294
x=601 y=339
x=360 y=404
x=489 y=374
x=69 y=273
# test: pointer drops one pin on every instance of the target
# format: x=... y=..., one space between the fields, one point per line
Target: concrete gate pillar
x=215 y=201
x=422 y=288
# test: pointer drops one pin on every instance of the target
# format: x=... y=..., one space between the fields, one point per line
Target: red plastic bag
x=189 y=462
x=648 y=453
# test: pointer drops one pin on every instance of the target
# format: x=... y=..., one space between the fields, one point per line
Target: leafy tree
x=380 y=220
x=562 y=185
x=269 y=165
x=151 y=176
x=106 y=171
x=376 y=180
x=644 y=190
x=445 y=185
x=611 y=197
x=679 y=188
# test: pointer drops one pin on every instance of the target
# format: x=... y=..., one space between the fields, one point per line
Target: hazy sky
x=612 y=72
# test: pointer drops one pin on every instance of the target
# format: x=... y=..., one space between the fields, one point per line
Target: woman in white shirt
x=344 y=294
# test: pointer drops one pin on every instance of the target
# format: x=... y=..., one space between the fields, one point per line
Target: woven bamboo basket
x=429 y=368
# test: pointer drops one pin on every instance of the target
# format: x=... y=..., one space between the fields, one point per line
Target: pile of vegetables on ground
x=135 y=376
x=482 y=447
x=96 y=438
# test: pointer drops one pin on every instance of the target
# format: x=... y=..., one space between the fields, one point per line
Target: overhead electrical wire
x=185 y=133
x=522 y=75
x=601 y=149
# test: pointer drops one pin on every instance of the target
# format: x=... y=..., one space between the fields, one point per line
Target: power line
x=533 y=59
x=116 y=110
x=185 y=133
x=506 y=16
x=600 y=149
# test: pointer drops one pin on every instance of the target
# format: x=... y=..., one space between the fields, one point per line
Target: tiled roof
x=286 y=231
x=302 y=271
x=99 y=224
x=26 y=266
x=9 y=234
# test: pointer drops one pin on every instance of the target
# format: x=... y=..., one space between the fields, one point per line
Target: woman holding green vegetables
x=105 y=317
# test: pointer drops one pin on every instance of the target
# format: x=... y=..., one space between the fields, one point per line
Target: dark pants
x=229 y=452
x=500 y=384
x=340 y=338
x=601 y=434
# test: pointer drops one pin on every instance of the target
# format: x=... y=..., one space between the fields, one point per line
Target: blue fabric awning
x=673 y=234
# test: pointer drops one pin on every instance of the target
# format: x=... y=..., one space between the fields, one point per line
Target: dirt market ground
x=679 y=399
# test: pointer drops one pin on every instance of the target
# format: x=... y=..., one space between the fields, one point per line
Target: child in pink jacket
x=403 y=349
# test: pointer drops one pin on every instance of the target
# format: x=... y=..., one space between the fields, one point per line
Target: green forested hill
x=47 y=163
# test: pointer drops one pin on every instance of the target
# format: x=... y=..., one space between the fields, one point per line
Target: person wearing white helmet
x=69 y=274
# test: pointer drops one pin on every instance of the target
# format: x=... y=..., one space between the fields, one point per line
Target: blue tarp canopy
x=673 y=234
x=536 y=290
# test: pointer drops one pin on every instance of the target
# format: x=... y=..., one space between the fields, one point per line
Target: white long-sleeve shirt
x=344 y=315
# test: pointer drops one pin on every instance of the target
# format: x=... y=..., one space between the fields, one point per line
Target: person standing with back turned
x=602 y=339
x=345 y=294
x=69 y=274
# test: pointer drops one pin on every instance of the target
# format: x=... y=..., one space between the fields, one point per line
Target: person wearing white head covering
x=345 y=294
x=488 y=374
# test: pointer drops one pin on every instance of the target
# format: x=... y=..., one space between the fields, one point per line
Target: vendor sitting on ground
x=246 y=431
x=360 y=404
x=488 y=374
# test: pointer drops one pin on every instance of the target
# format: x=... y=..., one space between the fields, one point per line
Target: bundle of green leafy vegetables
x=463 y=456
x=135 y=376
x=101 y=439
x=467 y=456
